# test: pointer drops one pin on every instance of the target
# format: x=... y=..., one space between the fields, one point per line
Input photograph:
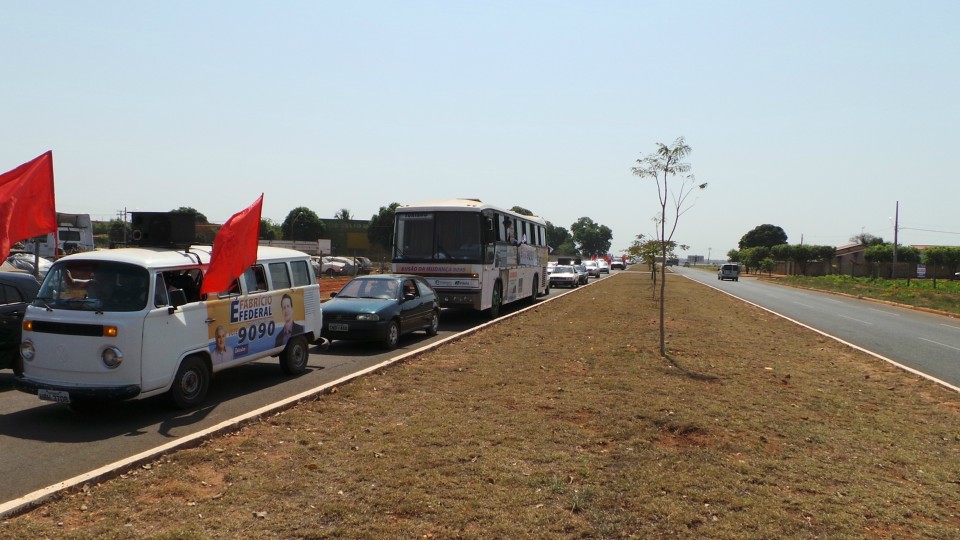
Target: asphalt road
x=46 y=443
x=926 y=342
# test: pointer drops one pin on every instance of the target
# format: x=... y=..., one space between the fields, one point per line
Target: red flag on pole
x=234 y=249
x=27 y=206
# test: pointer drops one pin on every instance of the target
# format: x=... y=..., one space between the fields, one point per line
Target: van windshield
x=94 y=286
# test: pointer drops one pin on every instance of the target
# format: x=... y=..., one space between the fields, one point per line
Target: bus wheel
x=497 y=301
x=434 y=327
x=293 y=359
x=392 y=337
x=535 y=291
x=191 y=383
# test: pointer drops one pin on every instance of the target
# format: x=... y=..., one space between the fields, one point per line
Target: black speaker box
x=162 y=229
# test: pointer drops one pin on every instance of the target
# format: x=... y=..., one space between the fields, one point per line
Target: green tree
x=302 y=224
x=343 y=214
x=594 y=239
x=763 y=235
x=119 y=231
x=270 y=230
x=880 y=254
x=560 y=240
x=766 y=265
x=668 y=162
x=522 y=211
x=733 y=255
x=866 y=239
x=941 y=259
x=801 y=254
x=380 y=228
x=750 y=258
x=200 y=218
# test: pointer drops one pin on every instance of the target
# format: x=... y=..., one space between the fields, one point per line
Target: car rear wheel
x=434 y=327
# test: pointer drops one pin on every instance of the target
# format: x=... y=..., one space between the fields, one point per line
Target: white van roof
x=150 y=257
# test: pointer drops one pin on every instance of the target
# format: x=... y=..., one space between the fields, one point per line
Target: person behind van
x=290 y=328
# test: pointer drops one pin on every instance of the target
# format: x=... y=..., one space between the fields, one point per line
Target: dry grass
x=564 y=422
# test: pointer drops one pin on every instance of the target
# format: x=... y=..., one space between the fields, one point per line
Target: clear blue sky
x=817 y=116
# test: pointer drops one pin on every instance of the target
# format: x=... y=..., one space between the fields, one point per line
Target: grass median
x=564 y=422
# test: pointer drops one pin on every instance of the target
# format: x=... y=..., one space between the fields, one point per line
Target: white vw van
x=130 y=323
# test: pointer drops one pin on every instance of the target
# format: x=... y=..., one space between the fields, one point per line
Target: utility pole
x=896 y=227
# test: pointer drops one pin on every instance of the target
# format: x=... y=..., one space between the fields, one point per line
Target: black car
x=16 y=291
x=381 y=307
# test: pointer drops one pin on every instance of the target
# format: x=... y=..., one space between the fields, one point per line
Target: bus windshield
x=436 y=236
x=94 y=286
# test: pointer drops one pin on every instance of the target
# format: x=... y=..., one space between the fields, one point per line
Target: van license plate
x=338 y=327
x=54 y=395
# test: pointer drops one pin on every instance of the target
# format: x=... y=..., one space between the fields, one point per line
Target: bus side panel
x=167 y=337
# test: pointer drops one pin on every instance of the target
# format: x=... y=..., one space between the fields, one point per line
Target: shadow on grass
x=681 y=370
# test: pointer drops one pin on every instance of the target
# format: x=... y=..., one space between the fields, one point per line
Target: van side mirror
x=177 y=297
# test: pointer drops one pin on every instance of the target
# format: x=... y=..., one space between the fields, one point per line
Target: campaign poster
x=252 y=324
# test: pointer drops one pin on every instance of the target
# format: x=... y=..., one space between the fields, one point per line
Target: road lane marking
x=868 y=323
x=940 y=344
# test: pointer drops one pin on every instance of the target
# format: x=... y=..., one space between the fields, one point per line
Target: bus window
x=255 y=278
x=279 y=275
x=458 y=236
x=414 y=236
x=301 y=273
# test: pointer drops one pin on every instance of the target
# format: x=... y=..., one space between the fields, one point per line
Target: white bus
x=476 y=256
x=127 y=324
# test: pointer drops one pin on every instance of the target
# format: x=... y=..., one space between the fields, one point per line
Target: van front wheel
x=293 y=359
x=191 y=383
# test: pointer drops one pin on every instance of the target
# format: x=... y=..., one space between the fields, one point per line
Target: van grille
x=68 y=329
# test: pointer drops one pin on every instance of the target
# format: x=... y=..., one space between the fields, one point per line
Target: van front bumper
x=90 y=393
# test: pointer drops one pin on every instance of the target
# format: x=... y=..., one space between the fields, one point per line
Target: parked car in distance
x=381 y=307
x=593 y=269
x=17 y=289
x=729 y=271
x=364 y=265
x=582 y=273
x=564 y=275
x=333 y=266
x=604 y=266
x=617 y=264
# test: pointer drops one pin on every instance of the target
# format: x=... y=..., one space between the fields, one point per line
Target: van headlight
x=112 y=357
x=368 y=317
x=26 y=350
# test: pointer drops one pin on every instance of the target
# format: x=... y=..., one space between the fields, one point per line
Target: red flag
x=234 y=249
x=27 y=206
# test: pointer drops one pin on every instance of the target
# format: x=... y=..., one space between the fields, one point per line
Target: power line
x=927 y=230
